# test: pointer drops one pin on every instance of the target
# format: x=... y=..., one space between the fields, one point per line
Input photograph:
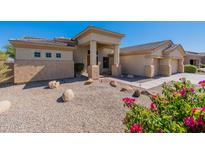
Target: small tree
x=9 y=50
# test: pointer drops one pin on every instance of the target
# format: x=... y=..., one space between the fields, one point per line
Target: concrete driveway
x=194 y=78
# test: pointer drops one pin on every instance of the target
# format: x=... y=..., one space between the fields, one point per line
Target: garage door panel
x=174 y=65
x=156 y=66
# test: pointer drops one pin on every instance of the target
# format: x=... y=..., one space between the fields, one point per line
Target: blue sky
x=190 y=34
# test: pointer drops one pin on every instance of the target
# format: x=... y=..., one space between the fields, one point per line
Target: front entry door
x=88 y=60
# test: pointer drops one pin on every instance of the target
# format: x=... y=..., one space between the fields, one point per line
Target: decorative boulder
x=113 y=83
x=149 y=93
x=68 y=95
x=136 y=93
x=88 y=82
x=126 y=88
x=4 y=105
x=53 y=84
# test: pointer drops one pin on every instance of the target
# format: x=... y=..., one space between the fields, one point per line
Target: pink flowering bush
x=180 y=109
x=136 y=128
x=128 y=101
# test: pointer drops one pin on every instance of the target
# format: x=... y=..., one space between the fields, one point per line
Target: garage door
x=174 y=65
x=156 y=66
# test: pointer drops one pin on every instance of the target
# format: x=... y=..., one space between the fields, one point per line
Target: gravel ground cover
x=35 y=108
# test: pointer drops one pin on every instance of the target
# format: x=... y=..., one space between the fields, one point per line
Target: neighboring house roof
x=191 y=53
x=41 y=42
x=144 y=48
x=98 y=30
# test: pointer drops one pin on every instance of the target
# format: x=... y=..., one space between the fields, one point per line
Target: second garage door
x=174 y=65
x=156 y=66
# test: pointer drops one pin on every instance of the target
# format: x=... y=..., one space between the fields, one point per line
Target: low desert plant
x=180 y=108
x=190 y=68
x=202 y=66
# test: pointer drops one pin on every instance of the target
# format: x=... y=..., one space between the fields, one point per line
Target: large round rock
x=136 y=93
x=88 y=82
x=113 y=83
x=53 y=84
x=68 y=95
x=4 y=106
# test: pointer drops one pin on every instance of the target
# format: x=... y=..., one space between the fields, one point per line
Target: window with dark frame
x=58 y=55
x=37 y=54
x=105 y=62
x=48 y=55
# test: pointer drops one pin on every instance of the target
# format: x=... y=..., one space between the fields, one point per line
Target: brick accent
x=93 y=72
x=149 y=71
x=37 y=70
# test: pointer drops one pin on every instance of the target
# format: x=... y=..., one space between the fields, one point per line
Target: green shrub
x=202 y=66
x=180 y=109
x=79 y=67
x=190 y=68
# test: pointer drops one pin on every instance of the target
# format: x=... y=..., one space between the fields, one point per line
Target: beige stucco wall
x=203 y=59
x=28 y=68
x=28 y=54
x=133 y=64
x=158 y=51
x=36 y=70
x=176 y=54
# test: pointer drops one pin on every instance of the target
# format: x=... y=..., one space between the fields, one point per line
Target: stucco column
x=149 y=67
x=117 y=55
x=181 y=66
x=93 y=51
x=93 y=69
x=116 y=68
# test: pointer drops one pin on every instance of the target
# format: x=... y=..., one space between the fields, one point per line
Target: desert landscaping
x=96 y=107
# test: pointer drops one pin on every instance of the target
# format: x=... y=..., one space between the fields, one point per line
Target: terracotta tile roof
x=146 y=48
x=42 y=41
x=191 y=52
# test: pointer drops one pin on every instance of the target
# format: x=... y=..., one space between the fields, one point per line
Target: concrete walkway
x=194 y=78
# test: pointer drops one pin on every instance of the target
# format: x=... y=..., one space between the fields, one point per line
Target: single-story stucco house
x=194 y=58
x=98 y=49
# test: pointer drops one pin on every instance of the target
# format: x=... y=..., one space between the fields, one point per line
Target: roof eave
x=19 y=43
x=92 y=28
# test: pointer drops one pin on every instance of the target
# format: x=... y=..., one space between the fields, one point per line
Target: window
x=105 y=62
x=37 y=54
x=48 y=55
x=58 y=55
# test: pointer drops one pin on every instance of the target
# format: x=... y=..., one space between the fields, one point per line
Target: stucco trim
x=92 y=29
x=181 y=49
x=20 y=44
